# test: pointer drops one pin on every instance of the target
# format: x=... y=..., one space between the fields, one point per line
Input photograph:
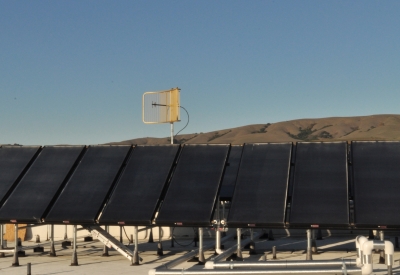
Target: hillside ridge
x=374 y=127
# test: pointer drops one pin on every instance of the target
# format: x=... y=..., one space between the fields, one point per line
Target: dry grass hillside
x=375 y=127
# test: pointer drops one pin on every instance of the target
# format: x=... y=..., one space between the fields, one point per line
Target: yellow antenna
x=162 y=107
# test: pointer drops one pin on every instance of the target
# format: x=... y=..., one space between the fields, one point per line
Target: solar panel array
x=275 y=185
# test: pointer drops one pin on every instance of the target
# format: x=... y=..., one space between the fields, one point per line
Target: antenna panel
x=161 y=107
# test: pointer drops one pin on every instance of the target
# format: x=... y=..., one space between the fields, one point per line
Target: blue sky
x=74 y=72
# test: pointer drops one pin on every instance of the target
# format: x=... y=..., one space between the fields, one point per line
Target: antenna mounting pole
x=172 y=133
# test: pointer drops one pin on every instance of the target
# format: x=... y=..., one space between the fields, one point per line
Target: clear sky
x=74 y=72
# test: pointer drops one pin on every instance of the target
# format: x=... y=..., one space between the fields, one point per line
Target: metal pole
x=16 y=261
x=2 y=240
x=28 y=269
x=74 y=260
x=65 y=234
x=274 y=252
x=151 y=240
x=239 y=255
x=313 y=242
x=105 y=248
x=120 y=234
x=135 y=256
x=382 y=252
x=252 y=245
x=223 y=217
x=52 y=249
x=217 y=232
x=202 y=260
x=309 y=252
x=172 y=133
x=159 y=246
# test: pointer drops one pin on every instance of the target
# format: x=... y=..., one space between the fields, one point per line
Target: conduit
x=284 y=264
x=367 y=248
x=250 y=272
x=360 y=240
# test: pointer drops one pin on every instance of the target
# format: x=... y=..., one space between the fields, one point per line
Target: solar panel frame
x=320 y=186
x=136 y=196
x=261 y=187
x=231 y=172
x=35 y=192
x=195 y=185
x=376 y=177
x=86 y=192
x=14 y=162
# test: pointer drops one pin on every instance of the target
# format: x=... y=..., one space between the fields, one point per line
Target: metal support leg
x=252 y=245
x=52 y=249
x=135 y=256
x=2 y=240
x=314 y=249
x=74 y=260
x=239 y=255
x=319 y=234
x=65 y=233
x=223 y=217
x=151 y=240
x=16 y=261
x=105 y=248
x=202 y=260
x=159 y=246
x=309 y=252
x=120 y=234
x=270 y=235
x=382 y=252
x=217 y=241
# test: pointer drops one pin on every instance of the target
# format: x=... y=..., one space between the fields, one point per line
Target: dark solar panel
x=13 y=161
x=31 y=197
x=193 y=190
x=376 y=176
x=261 y=186
x=137 y=193
x=85 y=193
x=320 y=187
x=231 y=171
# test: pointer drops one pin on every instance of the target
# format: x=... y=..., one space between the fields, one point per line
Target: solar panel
x=376 y=179
x=231 y=171
x=259 y=199
x=13 y=161
x=193 y=190
x=85 y=193
x=34 y=193
x=320 y=187
x=136 y=196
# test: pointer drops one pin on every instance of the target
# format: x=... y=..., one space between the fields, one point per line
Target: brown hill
x=375 y=127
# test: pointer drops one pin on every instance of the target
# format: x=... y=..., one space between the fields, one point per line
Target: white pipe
x=248 y=272
x=360 y=240
x=367 y=268
x=367 y=247
x=389 y=251
x=283 y=264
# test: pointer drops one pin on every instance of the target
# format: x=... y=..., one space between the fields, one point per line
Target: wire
x=130 y=241
x=173 y=229
x=187 y=120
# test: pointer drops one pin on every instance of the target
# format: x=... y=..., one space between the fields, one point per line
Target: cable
x=130 y=241
x=173 y=229
x=187 y=121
